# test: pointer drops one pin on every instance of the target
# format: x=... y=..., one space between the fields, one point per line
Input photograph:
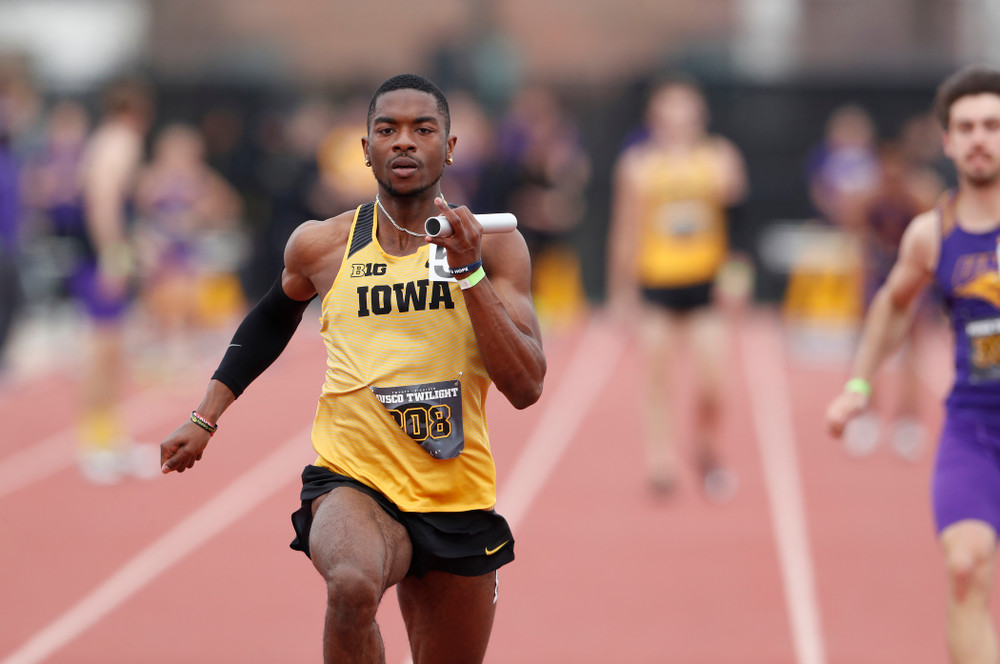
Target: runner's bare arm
x=500 y=306
x=623 y=241
x=732 y=171
x=261 y=337
x=890 y=314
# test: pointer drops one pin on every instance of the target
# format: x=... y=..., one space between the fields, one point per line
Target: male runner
x=105 y=278
x=403 y=489
x=955 y=246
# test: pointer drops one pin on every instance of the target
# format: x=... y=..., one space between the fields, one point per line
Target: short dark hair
x=128 y=94
x=412 y=82
x=973 y=80
x=673 y=79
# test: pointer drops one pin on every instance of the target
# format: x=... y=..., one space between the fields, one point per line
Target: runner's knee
x=352 y=595
x=969 y=564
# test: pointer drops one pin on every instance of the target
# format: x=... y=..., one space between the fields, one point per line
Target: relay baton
x=494 y=222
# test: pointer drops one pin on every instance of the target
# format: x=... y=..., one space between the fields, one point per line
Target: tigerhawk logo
x=409 y=296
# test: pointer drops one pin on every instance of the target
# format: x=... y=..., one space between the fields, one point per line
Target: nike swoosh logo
x=490 y=552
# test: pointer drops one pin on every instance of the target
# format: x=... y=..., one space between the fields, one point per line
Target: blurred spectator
x=667 y=246
x=20 y=105
x=344 y=175
x=843 y=169
x=540 y=176
x=22 y=101
x=106 y=277
x=905 y=188
x=227 y=149
x=920 y=144
x=53 y=185
x=463 y=179
x=289 y=176
x=182 y=204
x=10 y=220
x=822 y=301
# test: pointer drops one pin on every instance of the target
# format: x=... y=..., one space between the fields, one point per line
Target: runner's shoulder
x=921 y=240
x=923 y=228
x=317 y=238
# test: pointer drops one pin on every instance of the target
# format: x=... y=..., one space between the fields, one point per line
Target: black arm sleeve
x=260 y=338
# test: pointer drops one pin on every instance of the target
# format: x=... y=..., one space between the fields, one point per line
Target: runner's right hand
x=843 y=409
x=183 y=448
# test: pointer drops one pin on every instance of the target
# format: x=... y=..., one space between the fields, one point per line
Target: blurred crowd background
x=263 y=103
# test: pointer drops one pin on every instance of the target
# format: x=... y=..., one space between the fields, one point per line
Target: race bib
x=681 y=219
x=437 y=265
x=984 y=349
x=430 y=414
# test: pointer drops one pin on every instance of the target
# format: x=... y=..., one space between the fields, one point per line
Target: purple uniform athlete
x=955 y=246
x=967 y=474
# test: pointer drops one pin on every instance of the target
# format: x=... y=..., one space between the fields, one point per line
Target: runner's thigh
x=448 y=617
x=350 y=531
x=710 y=341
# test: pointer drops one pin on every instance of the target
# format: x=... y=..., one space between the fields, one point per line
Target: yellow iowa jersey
x=402 y=408
x=682 y=236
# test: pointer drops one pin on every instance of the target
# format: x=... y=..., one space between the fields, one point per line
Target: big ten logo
x=421 y=421
x=368 y=269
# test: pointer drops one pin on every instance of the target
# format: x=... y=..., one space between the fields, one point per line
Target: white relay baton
x=494 y=222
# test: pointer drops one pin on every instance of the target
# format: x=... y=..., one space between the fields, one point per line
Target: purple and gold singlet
x=969 y=281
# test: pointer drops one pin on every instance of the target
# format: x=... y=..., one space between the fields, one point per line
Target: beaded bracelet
x=465 y=269
x=201 y=421
x=472 y=279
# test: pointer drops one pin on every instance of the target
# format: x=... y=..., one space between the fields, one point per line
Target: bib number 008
x=421 y=422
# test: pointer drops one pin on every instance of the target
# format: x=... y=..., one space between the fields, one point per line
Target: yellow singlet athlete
x=410 y=425
x=668 y=241
x=402 y=491
x=680 y=202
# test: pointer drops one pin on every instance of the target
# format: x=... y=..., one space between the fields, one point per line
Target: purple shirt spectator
x=10 y=200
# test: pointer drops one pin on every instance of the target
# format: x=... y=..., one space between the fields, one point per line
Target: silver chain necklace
x=393 y=221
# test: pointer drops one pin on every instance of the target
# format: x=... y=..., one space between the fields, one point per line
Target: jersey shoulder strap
x=361 y=234
x=946 y=213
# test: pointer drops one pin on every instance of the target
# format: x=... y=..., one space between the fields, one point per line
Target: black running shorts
x=465 y=543
x=680 y=300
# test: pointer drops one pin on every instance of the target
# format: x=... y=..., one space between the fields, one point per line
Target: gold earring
x=448 y=161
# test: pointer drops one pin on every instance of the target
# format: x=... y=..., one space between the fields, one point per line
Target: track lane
x=604 y=571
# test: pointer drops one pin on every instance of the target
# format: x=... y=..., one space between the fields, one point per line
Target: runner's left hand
x=464 y=245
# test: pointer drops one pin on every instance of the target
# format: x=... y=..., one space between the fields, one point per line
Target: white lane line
x=58 y=452
x=765 y=374
x=228 y=506
x=35 y=463
x=596 y=356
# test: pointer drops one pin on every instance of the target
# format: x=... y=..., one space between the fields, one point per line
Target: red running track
x=820 y=558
